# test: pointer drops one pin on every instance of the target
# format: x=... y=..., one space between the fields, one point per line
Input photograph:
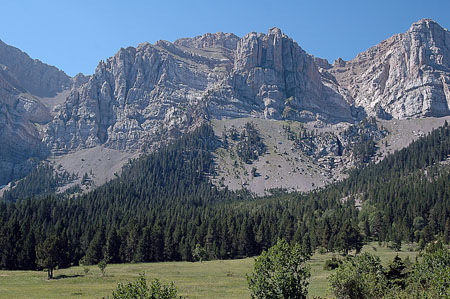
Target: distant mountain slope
x=22 y=82
x=153 y=92
x=34 y=76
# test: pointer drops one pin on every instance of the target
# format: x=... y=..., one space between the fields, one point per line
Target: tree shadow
x=63 y=276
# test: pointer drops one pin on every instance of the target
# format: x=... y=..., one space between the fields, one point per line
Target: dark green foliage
x=409 y=190
x=364 y=277
x=364 y=149
x=102 y=266
x=42 y=180
x=140 y=290
x=396 y=272
x=397 y=243
x=280 y=272
x=349 y=238
x=359 y=277
x=332 y=263
x=199 y=253
x=163 y=205
x=431 y=274
x=362 y=139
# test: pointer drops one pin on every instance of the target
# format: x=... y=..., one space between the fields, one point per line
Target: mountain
x=23 y=82
x=166 y=89
x=209 y=119
x=407 y=75
x=145 y=97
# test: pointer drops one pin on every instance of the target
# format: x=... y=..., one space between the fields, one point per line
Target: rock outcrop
x=407 y=75
x=209 y=40
x=34 y=76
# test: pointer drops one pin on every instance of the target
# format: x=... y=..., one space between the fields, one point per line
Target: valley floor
x=211 y=279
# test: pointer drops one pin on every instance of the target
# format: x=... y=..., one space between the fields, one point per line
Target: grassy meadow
x=210 y=279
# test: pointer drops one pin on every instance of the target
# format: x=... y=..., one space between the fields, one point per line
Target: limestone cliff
x=407 y=75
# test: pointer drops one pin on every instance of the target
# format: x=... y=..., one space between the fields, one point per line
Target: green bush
x=360 y=277
x=140 y=290
x=332 y=263
x=102 y=266
x=364 y=277
x=280 y=272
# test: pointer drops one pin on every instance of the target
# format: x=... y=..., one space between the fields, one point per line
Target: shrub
x=140 y=289
x=102 y=266
x=332 y=263
x=360 y=277
x=280 y=272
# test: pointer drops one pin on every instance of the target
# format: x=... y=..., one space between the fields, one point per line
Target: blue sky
x=76 y=35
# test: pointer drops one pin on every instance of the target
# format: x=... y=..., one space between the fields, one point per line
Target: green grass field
x=212 y=279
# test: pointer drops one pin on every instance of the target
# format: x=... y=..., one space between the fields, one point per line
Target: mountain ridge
x=144 y=97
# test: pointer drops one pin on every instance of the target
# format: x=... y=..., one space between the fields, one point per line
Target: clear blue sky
x=76 y=35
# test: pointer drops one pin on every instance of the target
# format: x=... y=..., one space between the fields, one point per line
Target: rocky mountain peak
x=261 y=50
x=210 y=40
x=425 y=25
x=406 y=75
x=23 y=82
x=273 y=73
x=428 y=34
x=275 y=31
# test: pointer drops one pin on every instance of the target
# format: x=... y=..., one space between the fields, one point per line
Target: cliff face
x=37 y=78
x=281 y=81
x=154 y=92
x=19 y=138
x=407 y=75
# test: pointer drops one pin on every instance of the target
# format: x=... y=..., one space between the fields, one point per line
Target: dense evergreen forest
x=164 y=207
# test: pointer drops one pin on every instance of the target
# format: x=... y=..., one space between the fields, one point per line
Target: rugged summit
x=277 y=77
x=152 y=91
x=407 y=75
x=209 y=40
x=34 y=76
x=137 y=98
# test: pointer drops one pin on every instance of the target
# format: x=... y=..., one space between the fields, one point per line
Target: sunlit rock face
x=407 y=75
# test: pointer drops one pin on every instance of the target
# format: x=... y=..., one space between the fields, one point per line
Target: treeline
x=139 y=232
x=163 y=207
